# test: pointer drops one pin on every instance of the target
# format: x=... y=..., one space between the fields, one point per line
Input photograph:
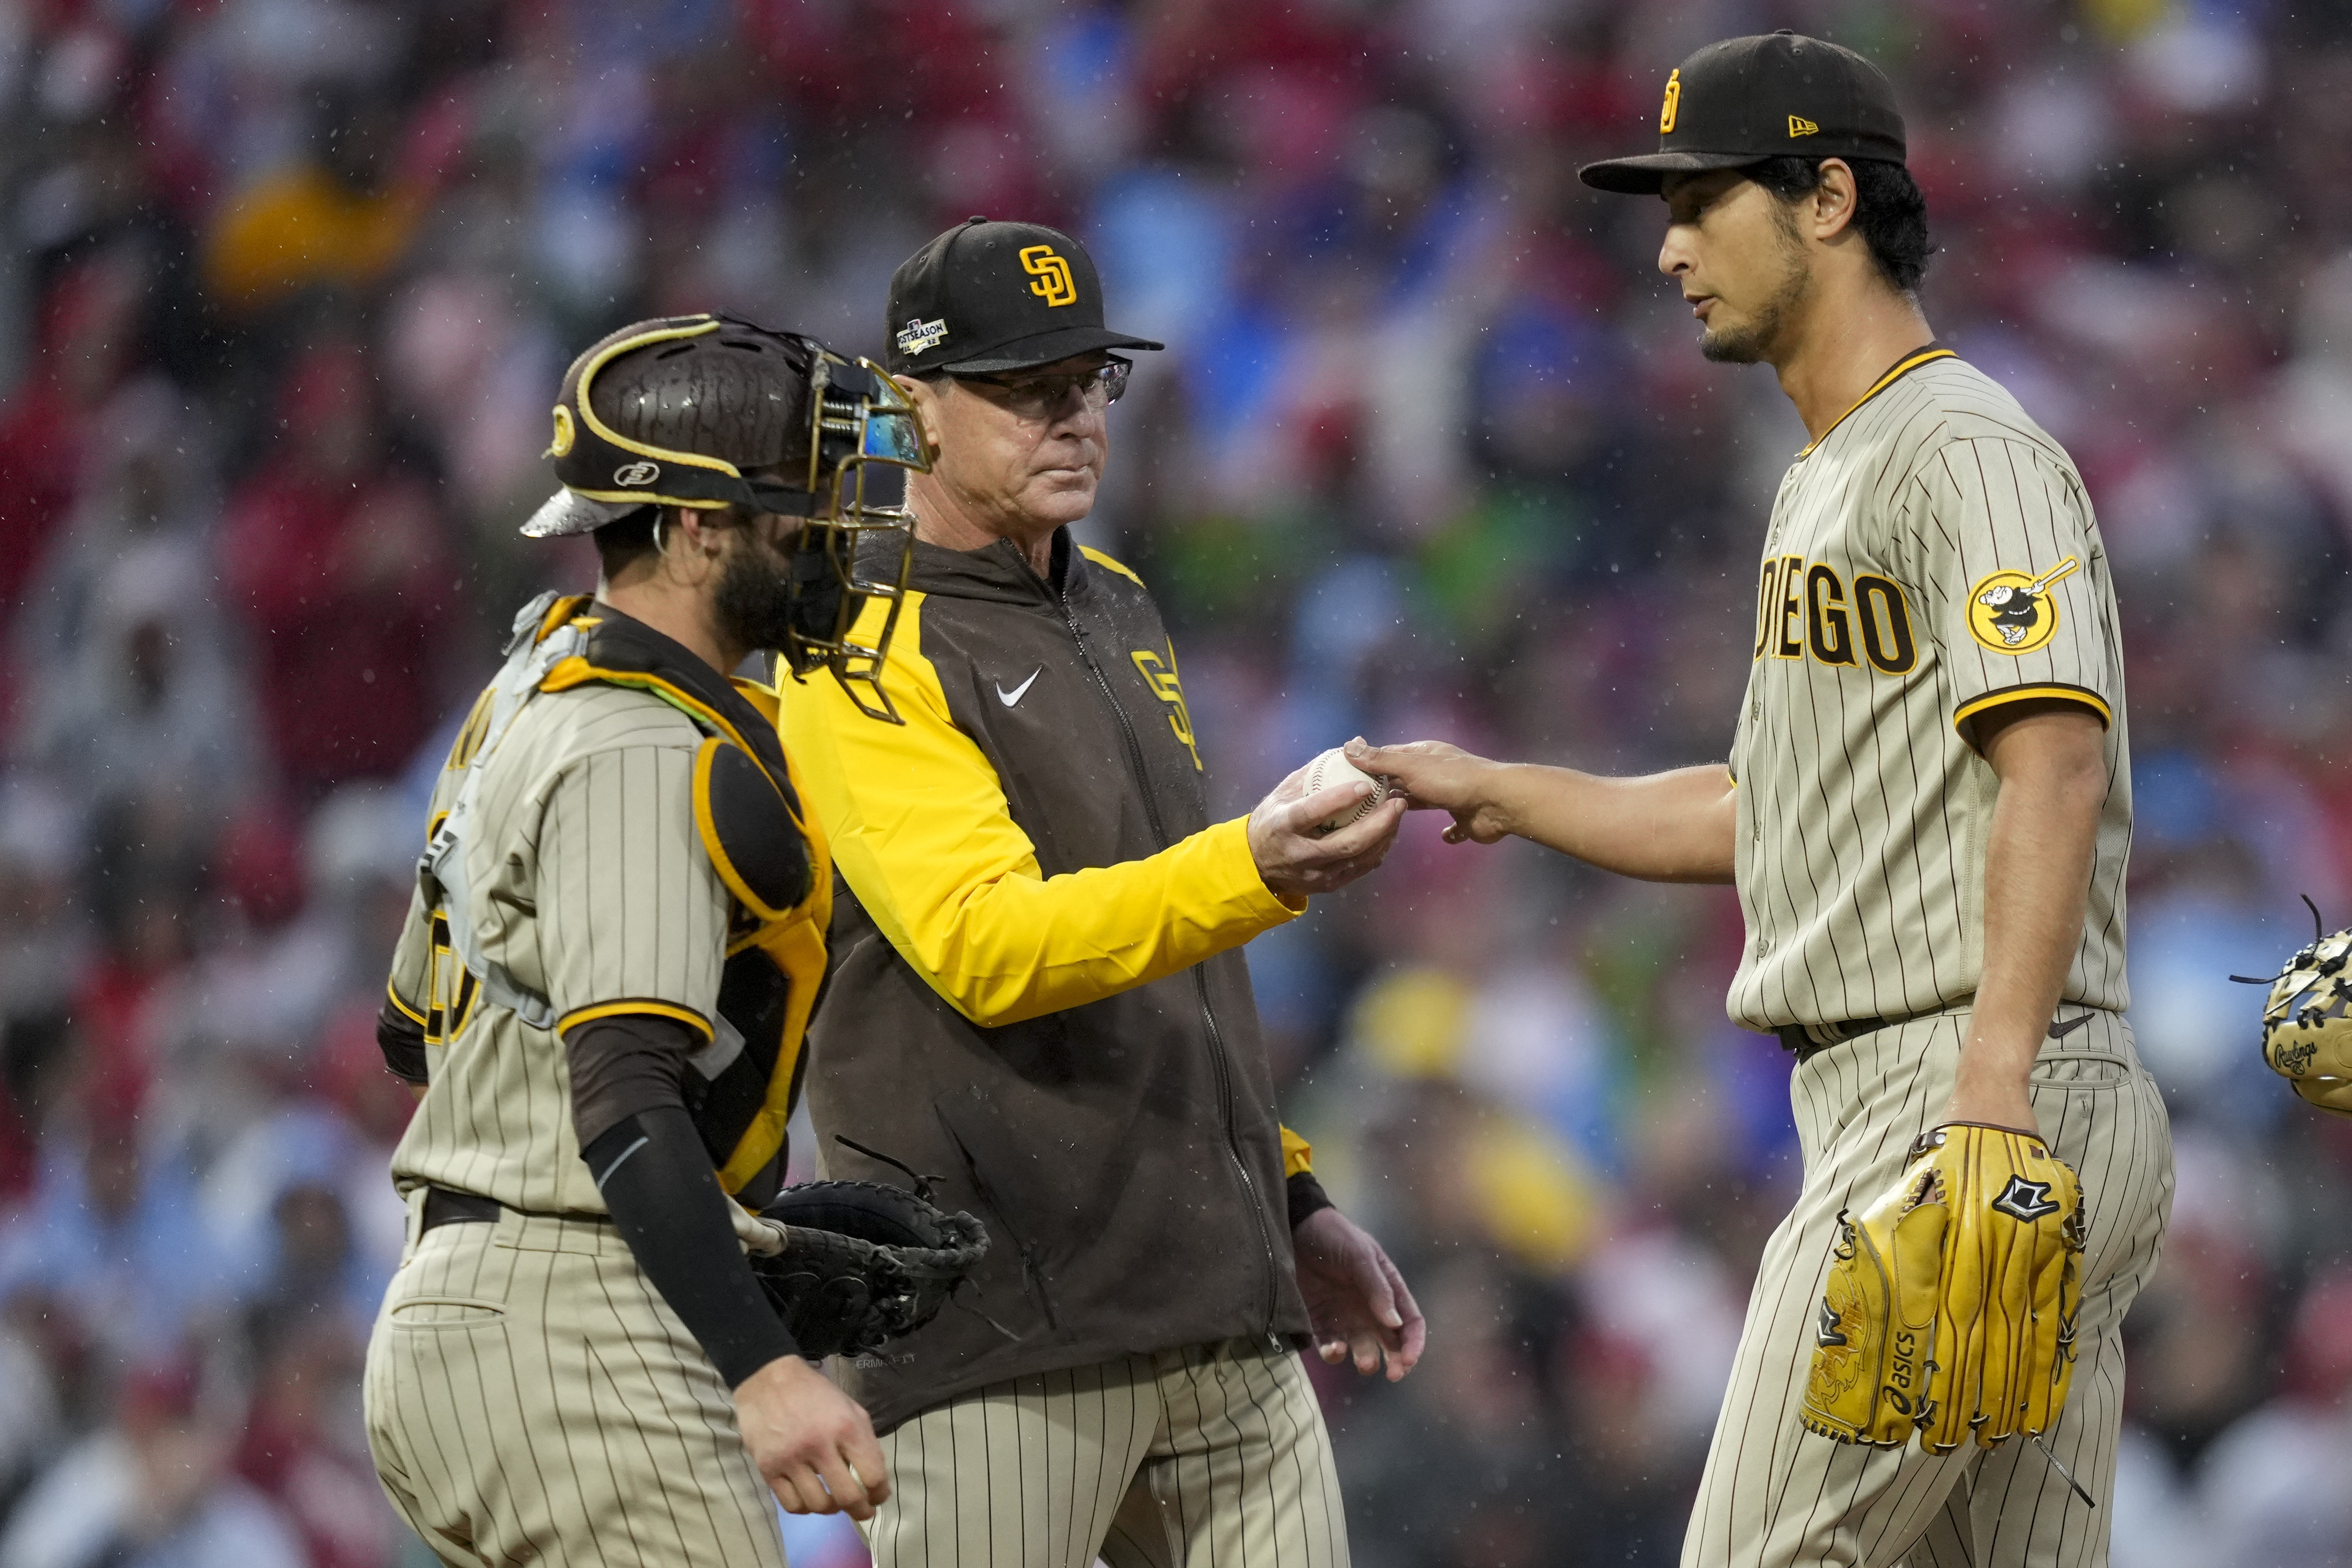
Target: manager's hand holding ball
x=1323 y=827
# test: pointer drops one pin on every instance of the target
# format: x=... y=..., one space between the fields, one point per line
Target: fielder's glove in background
x=862 y=1263
x=2307 y=1036
x=1951 y=1300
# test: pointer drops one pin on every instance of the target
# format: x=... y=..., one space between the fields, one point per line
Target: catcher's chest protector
x=773 y=859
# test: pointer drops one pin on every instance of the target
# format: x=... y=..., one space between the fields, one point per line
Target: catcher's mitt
x=862 y=1263
x=1951 y=1300
x=2307 y=1036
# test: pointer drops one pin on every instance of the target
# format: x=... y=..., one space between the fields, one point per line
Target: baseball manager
x=1927 y=812
x=1037 y=997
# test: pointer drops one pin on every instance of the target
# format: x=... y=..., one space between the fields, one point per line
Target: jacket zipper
x=1200 y=980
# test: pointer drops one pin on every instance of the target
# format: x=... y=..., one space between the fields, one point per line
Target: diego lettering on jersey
x=1805 y=610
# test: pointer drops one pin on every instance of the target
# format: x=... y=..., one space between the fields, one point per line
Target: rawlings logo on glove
x=1949 y=1311
x=2307 y=1021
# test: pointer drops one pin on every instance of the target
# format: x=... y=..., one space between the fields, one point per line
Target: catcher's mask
x=708 y=412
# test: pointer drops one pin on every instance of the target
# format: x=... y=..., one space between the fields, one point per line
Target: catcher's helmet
x=707 y=411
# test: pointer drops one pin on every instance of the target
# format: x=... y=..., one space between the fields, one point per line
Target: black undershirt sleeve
x=665 y=1201
x=401 y=1040
x=1306 y=1197
x=625 y=1064
x=649 y=1164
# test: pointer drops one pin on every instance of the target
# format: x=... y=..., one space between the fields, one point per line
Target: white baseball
x=1331 y=768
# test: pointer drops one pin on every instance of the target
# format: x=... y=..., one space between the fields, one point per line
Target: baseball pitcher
x=1925 y=812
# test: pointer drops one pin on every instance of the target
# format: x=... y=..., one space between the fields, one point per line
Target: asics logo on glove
x=2026 y=1200
x=1937 y=1323
x=1827 y=1333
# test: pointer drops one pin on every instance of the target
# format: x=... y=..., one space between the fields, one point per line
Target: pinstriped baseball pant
x=1776 y=1495
x=1210 y=1455
x=531 y=1398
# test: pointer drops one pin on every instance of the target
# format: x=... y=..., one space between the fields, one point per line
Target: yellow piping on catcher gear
x=792 y=939
x=1951 y=1300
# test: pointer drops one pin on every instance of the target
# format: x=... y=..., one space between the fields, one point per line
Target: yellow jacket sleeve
x=921 y=831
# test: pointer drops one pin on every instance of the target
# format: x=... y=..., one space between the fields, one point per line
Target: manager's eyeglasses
x=1032 y=396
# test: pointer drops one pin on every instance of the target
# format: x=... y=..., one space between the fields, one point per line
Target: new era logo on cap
x=1799 y=126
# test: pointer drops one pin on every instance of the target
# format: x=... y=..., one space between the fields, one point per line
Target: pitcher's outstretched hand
x=1436 y=776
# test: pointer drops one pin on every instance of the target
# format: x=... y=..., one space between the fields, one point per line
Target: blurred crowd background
x=287 y=288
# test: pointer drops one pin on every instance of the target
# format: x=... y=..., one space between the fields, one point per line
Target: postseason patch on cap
x=921 y=337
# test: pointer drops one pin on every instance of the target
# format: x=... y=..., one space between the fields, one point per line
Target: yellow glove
x=1877 y=1323
x=1951 y=1301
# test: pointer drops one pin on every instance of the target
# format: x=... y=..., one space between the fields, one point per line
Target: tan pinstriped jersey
x=1930 y=558
x=591 y=886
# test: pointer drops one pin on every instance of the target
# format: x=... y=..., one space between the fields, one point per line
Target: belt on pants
x=446 y=1205
x=1805 y=1040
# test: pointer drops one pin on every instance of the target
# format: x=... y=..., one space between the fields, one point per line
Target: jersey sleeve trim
x=1991 y=700
x=641 y=1004
x=406 y=1011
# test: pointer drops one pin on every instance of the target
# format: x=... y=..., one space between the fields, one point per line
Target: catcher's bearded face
x=1022 y=466
x=1733 y=249
x=752 y=598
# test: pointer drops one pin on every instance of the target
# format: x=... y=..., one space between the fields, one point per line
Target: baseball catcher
x=602 y=991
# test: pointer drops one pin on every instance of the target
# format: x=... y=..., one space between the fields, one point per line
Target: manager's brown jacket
x=1036 y=991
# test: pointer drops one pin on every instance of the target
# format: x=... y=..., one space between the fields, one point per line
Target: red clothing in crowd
x=338 y=566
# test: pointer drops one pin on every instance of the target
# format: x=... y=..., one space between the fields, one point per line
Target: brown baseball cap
x=988 y=296
x=1742 y=100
